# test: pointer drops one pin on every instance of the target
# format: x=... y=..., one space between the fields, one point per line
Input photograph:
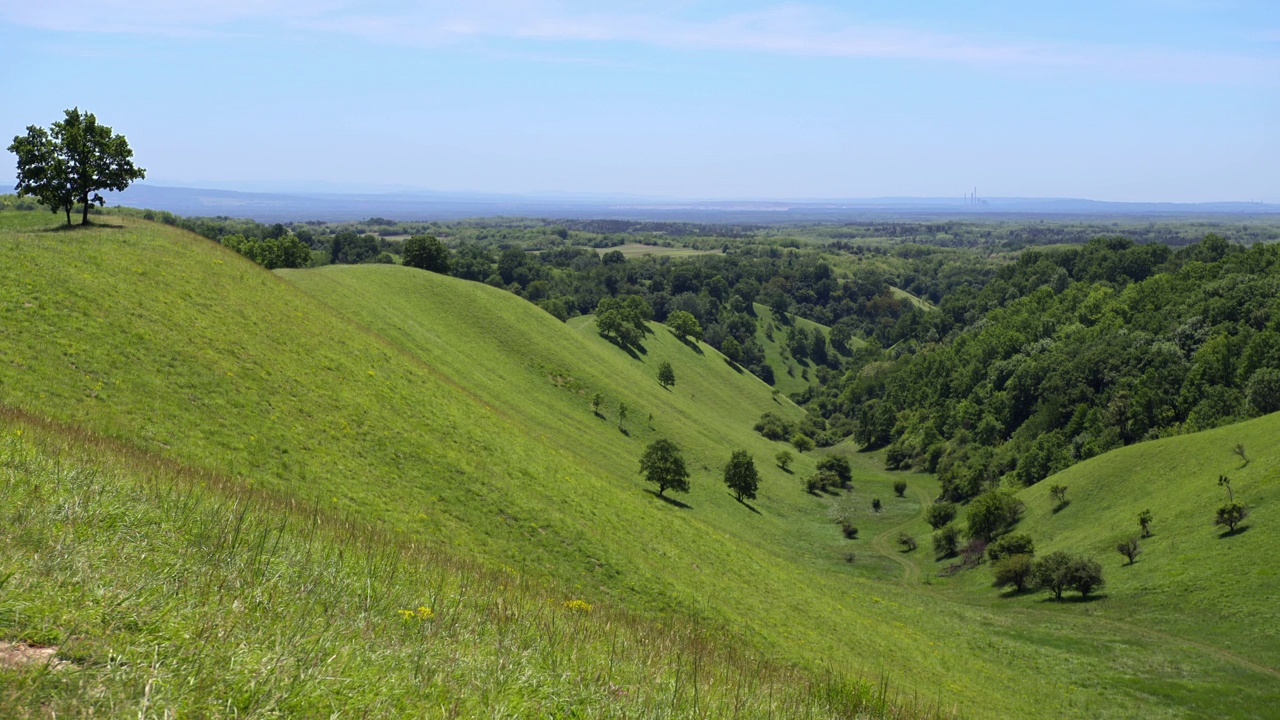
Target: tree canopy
x=72 y=161
x=741 y=476
x=663 y=465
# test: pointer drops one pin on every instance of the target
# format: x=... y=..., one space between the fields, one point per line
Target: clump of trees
x=623 y=320
x=72 y=161
x=662 y=464
x=1059 y=572
x=282 y=251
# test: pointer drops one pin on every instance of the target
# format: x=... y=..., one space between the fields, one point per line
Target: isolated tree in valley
x=666 y=376
x=839 y=467
x=741 y=476
x=663 y=465
x=72 y=161
x=1015 y=570
x=426 y=252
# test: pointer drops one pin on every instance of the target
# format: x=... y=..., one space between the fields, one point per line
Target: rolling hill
x=457 y=417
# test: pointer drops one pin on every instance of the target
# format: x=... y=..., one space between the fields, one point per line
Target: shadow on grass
x=670 y=500
x=744 y=503
x=688 y=342
x=1060 y=507
x=1075 y=599
x=788 y=471
x=78 y=226
x=736 y=367
x=1240 y=530
x=624 y=431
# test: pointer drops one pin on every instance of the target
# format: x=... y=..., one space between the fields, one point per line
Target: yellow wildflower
x=577 y=606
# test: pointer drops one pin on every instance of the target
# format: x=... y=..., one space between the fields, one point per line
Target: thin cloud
x=795 y=30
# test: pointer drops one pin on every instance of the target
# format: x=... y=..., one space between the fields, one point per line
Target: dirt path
x=886 y=543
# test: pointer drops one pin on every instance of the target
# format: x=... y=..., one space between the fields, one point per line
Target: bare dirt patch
x=18 y=654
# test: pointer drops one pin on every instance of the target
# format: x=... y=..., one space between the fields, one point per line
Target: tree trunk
x=67 y=209
x=84 y=219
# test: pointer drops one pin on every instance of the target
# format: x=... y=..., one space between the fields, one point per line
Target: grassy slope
x=777 y=356
x=1191 y=580
x=175 y=344
x=173 y=593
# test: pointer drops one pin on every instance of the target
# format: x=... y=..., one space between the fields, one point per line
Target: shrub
x=1059 y=494
x=774 y=427
x=946 y=541
x=784 y=458
x=1144 y=521
x=1086 y=576
x=802 y=442
x=850 y=532
x=875 y=504
x=1129 y=548
x=939 y=514
x=1015 y=570
x=1231 y=515
x=973 y=552
x=992 y=513
x=1011 y=544
x=839 y=467
x=900 y=488
x=907 y=542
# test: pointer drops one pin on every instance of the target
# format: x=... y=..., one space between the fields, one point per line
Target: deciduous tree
x=663 y=465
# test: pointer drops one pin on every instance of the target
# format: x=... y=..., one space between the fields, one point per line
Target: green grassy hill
x=456 y=416
x=790 y=374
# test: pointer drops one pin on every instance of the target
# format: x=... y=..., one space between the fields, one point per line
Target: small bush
x=876 y=504
x=900 y=488
x=1129 y=548
x=850 y=532
x=1015 y=570
x=946 y=541
x=1011 y=544
x=1231 y=515
x=802 y=442
x=907 y=542
x=784 y=458
x=1144 y=521
x=939 y=514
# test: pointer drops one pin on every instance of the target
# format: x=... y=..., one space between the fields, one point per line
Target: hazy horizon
x=1141 y=101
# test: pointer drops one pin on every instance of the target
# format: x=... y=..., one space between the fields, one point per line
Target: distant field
x=635 y=249
x=904 y=295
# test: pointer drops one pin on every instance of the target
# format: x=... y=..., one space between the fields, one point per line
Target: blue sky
x=1175 y=100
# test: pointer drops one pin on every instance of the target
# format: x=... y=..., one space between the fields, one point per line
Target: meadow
x=456 y=418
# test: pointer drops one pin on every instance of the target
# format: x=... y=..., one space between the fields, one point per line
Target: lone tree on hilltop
x=666 y=376
x=426 y=252
x=741 y=476
x=71 y=161
x=663 y=465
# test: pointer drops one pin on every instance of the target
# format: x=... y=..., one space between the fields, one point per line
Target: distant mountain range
x=423 y=205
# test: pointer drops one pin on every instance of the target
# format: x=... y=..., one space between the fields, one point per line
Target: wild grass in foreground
x=169 y=593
